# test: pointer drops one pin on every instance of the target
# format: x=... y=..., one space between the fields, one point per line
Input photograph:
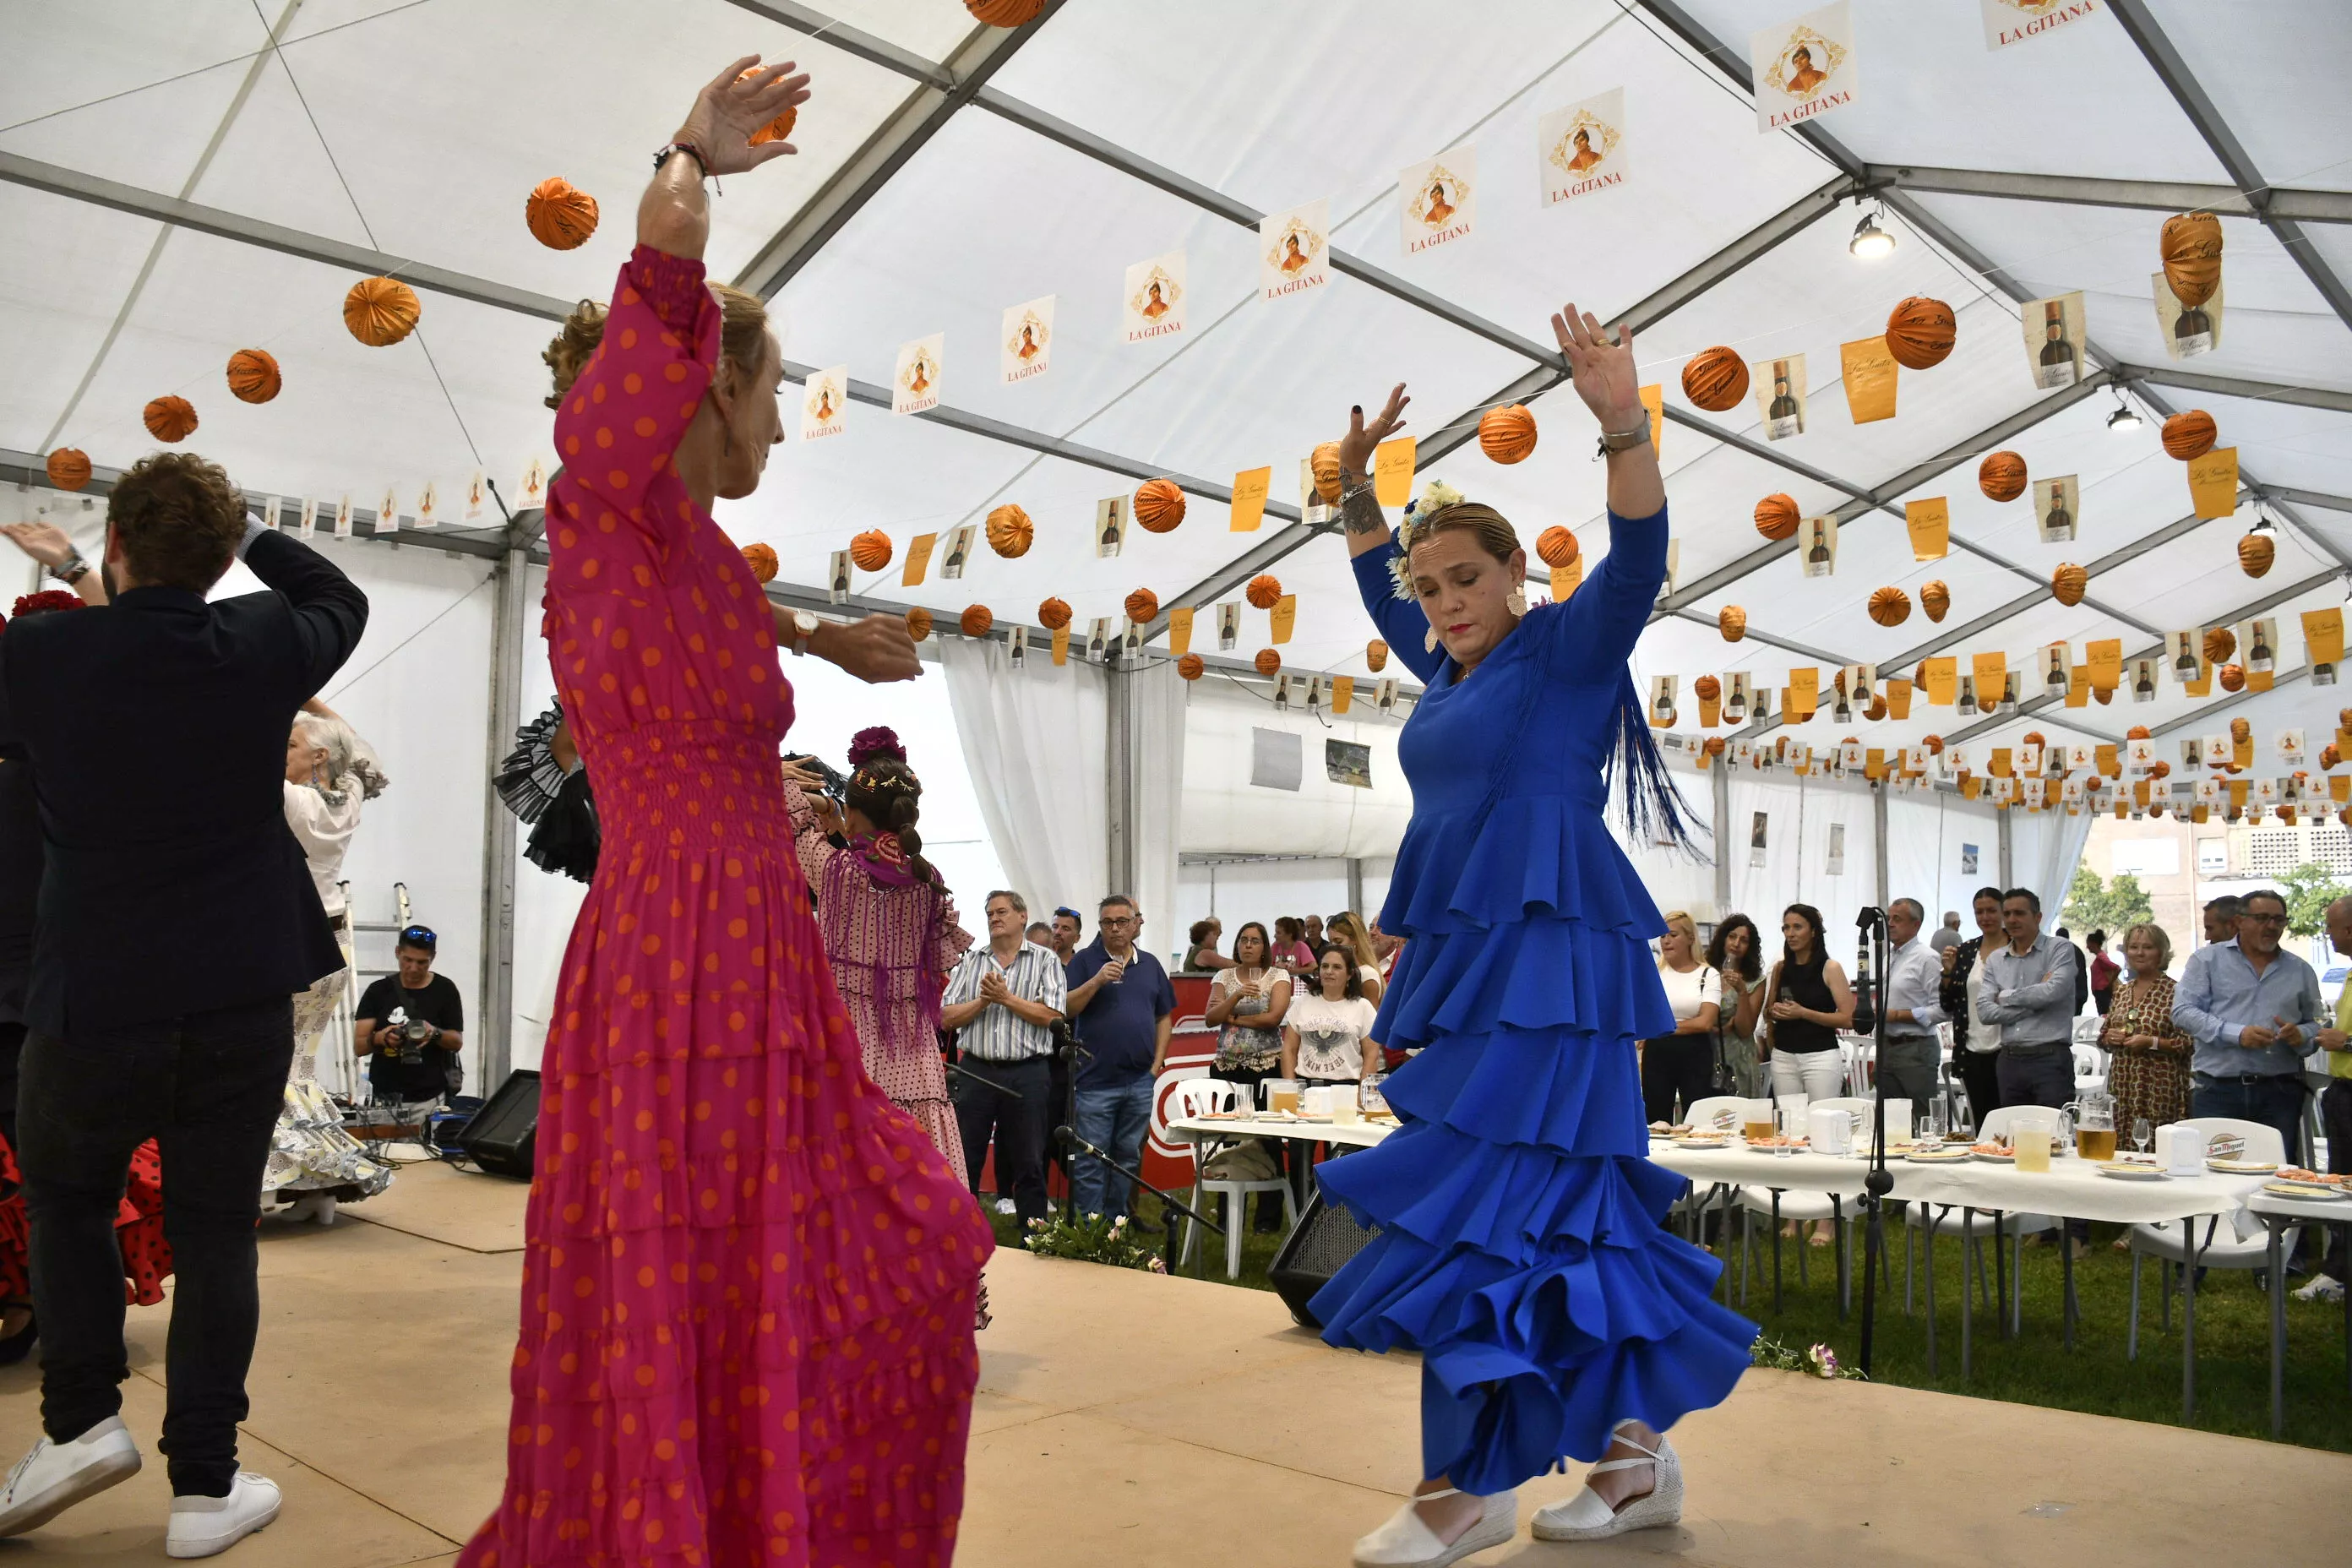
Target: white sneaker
x=1404 y=1541
x=2321 y=1288
x=202 y=1525
x=1585 y=1517
x=56 y=1476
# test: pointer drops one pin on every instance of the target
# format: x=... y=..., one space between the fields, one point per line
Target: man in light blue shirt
x=2254 y=1010
x=2028 y=993
x=1911 y=1064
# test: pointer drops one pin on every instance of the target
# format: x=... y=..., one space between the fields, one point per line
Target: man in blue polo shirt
x=1122 y=1004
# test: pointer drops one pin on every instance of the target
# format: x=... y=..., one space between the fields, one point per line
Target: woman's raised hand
x=1606 y=375
x=1356 y=446
x=733 y=108
x=876 y=649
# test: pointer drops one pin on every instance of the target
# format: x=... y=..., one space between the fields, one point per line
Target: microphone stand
x=960 y=1071
x=1879 y=1182
x=1169 y=1205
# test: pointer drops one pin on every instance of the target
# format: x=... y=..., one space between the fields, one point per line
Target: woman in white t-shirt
x=1679 y=1068
x=1327 y=1034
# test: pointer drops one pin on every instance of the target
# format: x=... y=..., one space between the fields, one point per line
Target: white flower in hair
x=1435 y=497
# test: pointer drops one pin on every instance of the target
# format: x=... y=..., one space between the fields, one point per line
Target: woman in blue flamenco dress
x=1521 y=1248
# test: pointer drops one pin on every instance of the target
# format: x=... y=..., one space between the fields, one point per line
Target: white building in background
x=2183 y=864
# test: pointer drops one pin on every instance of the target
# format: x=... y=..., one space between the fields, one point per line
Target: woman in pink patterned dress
x=748 y=1288
x=890 y=926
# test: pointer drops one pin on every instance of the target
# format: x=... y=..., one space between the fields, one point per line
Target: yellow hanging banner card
x=2213 y=483
x=1062 y=645
x=918 y=559
x=1179 y=631
x=2323 y=636
x=2078 y=686
x=1804 y=688
x=1653 y=398
x=1392 y=471
x=1870 y=379
x=1930 y=523
x=1898 y=697
x=1564 y=579
x=2106 y=658
x=1251 y=487
x=1943 y=680
x=1343 y=692
x=1285 y=616
x=1991 y=670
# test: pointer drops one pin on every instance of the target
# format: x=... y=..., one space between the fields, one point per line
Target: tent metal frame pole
x=2235 y=386
x=1720 y=786
x=509 y=620
x=1878 y=850
x=2000 y=832
x=2075 y=190
x=2181 y=82
x=1119 y=776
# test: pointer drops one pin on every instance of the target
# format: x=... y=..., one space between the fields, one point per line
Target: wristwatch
x=71 y=570
x=805 y=627
x=1624 y=440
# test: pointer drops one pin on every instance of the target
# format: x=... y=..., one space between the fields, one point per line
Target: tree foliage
x=2113 y=906
x=2308 y=889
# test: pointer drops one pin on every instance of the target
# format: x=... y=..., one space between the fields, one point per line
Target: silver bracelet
x=72 y=569
x=1360 y=510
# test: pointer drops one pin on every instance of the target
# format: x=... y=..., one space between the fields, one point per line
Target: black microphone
x=1064 y=1137
x=1865 y=1012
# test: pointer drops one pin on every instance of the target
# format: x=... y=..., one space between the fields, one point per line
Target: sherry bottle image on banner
x=2056 y=679
x=2258 y=653
x=1817 y=555
x=2192 y=332
x=2057 y=523
x=2056 y=365
x=1783 y=417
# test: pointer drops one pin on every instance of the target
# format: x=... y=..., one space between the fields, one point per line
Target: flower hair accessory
x=1435 y=497
x=878 y=741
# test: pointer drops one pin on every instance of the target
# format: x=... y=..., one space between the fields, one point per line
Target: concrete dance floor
x=1130 y=1419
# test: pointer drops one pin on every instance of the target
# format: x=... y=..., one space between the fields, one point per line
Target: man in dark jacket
x=176 y=921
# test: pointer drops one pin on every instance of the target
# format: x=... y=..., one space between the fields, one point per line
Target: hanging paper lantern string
x=2001 y=477
x=762 y=560
x=1507 y=435
x=1890 y=606
x=1142 y=606
x=779 y=128
x=1557 y=546
x=870 y=550
x=1158 y=505
x=1053 y=615
x=2188 y=434
x=170 y=418
x=253 y=375
x=1936 y=599
x=1269 y=661
x=1265 y=590
x=918 y=622
x=1009 y=532
x=1776 y=517
x=1324 y=464
x=2068 y=583
x=976 y=620
x=1920 y=332
x=1376 y=656
x=1003 y=13
x=562 y=216
x=1191 y=666
x=2255 y=554
x=2220 y=642
x=2192 y=248
x=68 y=467
x=1716 y=379
x=1732 y=622
x=380 y=312
x=1706 y=688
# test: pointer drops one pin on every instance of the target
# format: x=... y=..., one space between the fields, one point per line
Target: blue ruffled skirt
x=1521 y=1246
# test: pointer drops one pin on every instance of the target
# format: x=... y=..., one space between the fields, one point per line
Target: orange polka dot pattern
x=748 y=1286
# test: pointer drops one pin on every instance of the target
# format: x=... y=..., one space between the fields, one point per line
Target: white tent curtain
x=2044 y=847
x=1033 y=740
x=1156 y=730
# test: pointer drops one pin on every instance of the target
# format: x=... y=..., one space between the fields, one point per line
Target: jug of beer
x=2094 y=1111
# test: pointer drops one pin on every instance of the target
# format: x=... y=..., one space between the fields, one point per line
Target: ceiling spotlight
x=1870 y=242
x=2123 y=419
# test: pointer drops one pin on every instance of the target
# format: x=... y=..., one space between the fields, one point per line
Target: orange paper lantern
x=1732 y=622
x=918 y=622
x=2136 y=732
x=976 y=620
x=170 y=418
x=1507 y=435
x=1325 y=465
x=2330 y=757
x=380 y=312
x=870 y=550
x=1268 y=661
x=2192 y=248
x=1053 y=615
x=1920 y=332
x=2001 y=476
x=1716 y=379
x=1265 y=590
x=1141 y=606
x=1877 y=710
x=762 y=560
x=2220 y=642
x=2233 y=680
x=2188 y=435
x=2068 y=582
x=1714 y=747
x=1936 y=599
x=1706 y=688
x=561 y=214
x=1776 y=516
x=68 y=467
x=1003 y=13
x=1935 y=744
x=1191 y=666
x=1556 y=545
x=1158 y=505
x=2159 y=770
x=779 y=128
x=1890 y=606
x=253 y=375
x=1009 y=531
x=1376 y=656
x=2255 y=554
x=2103 y=695
x=2241 y=731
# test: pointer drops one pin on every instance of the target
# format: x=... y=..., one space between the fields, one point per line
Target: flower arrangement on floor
x=1092 y=1239
x=1819 y=1360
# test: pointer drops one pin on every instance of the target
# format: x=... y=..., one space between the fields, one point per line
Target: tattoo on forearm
x=1359 y=513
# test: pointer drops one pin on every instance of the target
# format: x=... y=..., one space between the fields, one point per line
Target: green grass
x=2036 y=1368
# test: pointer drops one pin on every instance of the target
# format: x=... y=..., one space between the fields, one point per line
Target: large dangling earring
x=1429 y=643
x=1517 y=601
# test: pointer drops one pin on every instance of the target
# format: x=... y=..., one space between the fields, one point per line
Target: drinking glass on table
x=2030 y=1138
x=2141 y=1133
x=1794 y=1119
x=1756 y=1126
x=1939 y=1121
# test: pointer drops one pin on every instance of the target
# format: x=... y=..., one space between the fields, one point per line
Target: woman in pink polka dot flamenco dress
x=747 y=1291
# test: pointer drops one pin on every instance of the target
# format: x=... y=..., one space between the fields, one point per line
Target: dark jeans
x=1114 y=1119
x=1909 y=1069
x=1013 y=1107
x=1675 y=1068
x=207 y=1087
x=2273 y=1101
x=2336 y=1115
x=2046 y=1077
x=1980 y=1076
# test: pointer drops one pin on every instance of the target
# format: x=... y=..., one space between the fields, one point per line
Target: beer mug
x=2094 y=1124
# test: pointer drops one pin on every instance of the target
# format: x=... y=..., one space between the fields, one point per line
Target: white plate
x=1941 y=1157
x=1698 y=1144
x=2131 y=1172
x=2242 y=1167
x=2304 y=1190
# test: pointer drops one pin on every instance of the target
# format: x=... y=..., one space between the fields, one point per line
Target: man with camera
x=414 y=1025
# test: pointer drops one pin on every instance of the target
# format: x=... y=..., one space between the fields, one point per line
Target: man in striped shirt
x=1004 y=1000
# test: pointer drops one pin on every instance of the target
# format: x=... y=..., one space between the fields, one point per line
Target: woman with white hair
x=330 y=771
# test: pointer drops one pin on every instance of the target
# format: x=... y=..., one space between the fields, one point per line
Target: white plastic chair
x=1856 y=1053
x=2090 y=1068
x=1198 y=1097
x=1934 y=1222
x=2218 y=1247
x=1718 y=1113
x=1782 y=1204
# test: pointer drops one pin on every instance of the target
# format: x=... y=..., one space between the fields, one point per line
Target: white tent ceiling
x=1044 y=161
